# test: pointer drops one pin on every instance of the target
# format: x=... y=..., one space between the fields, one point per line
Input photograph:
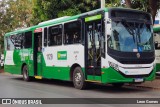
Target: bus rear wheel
x=79 y=79
x=25 y=73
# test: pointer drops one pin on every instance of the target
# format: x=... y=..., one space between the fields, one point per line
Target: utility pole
x=102 y=3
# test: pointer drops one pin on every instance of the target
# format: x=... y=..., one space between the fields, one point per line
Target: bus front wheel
x=25 y=73
x=79 y=79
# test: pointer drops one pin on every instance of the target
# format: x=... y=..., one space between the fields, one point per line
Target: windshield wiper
x=129 y=28
x=139 y=31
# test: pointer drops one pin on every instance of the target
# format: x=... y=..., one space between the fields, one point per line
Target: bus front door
x=38 y=54
x=93 y=32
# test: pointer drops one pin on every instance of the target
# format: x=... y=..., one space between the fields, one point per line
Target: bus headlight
x=113 y=65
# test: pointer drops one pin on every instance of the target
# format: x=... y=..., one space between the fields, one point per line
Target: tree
x=14 y=14
x=21 y=12
x=2 y=27
x=50 y=9
x=150 y=6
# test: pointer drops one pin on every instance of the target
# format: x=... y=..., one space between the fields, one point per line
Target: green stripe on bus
x=156 y=28
x=93 y=18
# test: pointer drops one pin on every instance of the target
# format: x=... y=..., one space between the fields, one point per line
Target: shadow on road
x=158 y=77
x=91 y=87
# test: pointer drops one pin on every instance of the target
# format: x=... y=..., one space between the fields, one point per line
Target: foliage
x=14 y=14
x=50 y=9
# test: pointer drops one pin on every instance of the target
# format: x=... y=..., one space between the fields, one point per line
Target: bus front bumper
x=110 y=75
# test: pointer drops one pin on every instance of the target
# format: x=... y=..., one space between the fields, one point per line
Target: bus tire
x=118 y=85
x=79 y=79
x=26 y=73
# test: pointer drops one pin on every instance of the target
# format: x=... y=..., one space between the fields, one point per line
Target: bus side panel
x=15 y=59
x=17 y=62
x=27 y=58
x=58 y=60
x=9 y=64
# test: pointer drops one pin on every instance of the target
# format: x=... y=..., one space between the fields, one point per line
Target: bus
x=156 y=30
x=108 y=46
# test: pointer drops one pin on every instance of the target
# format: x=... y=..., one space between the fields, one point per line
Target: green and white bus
x=108 y=46
x=156 y=30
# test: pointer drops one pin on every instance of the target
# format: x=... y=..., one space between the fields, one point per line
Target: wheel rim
x=78 y=78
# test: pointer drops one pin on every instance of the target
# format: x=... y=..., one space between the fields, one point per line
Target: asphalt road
x=13 y=86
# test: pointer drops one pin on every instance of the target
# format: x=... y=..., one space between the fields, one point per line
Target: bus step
x=38 y=77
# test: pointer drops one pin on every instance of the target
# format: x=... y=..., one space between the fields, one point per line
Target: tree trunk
x=153 y=7
x=128 y=3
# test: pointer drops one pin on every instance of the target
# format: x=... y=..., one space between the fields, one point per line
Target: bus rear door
x=38 y=52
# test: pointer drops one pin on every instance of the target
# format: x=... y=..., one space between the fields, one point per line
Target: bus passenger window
x=10 y=44
x=28 y=40
x=55 y=35
x=72 y=32
x=18 y=41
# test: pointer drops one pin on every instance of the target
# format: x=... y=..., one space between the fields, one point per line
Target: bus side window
x=28 y=40
x=9 y=43
x=18 y=41
x=22 y=41
x=55 y=35
x=5 y=43
x=72 y=32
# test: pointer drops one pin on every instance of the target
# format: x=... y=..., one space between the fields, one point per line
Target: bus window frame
x=48 y=35
x=25 y=40
x=22 y=43
x=81 y=41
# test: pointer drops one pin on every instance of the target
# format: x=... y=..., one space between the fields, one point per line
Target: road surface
x=13 y=86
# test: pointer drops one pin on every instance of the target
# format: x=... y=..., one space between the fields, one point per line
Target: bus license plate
x=138 y=80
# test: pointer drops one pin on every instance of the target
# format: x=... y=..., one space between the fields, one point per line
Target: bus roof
x=61 y=20
x=21 y=30
x=55 y=21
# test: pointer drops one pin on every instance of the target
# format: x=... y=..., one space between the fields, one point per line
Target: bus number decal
x=147 y=47
x=49 y=56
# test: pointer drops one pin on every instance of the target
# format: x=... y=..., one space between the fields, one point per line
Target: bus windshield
x=131 y=37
